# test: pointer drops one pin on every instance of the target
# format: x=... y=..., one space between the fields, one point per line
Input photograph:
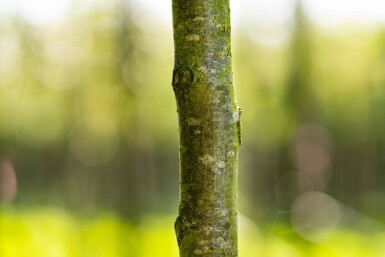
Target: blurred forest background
x=89 y=137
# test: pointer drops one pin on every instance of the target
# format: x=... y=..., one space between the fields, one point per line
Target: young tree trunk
x=209 y=125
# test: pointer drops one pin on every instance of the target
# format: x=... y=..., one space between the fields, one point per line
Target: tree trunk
x=209 y=125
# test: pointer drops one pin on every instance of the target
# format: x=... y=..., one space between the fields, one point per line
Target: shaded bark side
x=209 y=124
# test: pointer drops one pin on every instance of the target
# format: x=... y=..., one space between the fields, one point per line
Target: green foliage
x=55 y=233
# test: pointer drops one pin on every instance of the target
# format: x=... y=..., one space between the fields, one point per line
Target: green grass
x=55 y=233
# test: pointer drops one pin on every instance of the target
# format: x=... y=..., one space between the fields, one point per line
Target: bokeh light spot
x=315 y=216
x=311 y=151
x=8 y=182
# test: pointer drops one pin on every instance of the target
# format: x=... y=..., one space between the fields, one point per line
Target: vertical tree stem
x=209 y=124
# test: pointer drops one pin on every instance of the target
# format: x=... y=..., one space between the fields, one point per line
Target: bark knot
x=182 y=77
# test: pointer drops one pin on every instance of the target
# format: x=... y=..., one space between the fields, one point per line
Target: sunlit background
x=89 y=137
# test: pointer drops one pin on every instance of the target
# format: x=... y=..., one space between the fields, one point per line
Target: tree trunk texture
x=209 y=126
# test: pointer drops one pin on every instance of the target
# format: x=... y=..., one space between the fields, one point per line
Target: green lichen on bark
x=209 y=122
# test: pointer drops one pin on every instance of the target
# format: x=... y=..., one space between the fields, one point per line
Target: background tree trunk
x=209 y=121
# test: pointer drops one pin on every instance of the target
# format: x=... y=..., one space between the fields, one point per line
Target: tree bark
x=209 y=125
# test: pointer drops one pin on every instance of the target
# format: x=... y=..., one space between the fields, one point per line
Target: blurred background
x=89 y=137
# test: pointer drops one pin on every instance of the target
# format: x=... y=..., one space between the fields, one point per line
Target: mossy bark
x=209 y=125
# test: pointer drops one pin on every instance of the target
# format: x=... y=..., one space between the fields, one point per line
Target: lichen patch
x=220 y=164
x=193 y=122
x=214 y=71
x=206 y=159
x=207 y=230
x=221 y=212
x=215 y=170
x=199 y=19
x=193 y=37
x=230 y=153
x=221 y=243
